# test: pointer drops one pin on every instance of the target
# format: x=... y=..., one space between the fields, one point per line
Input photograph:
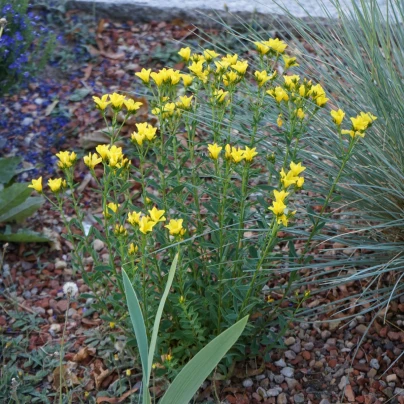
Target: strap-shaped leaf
x=201 y=365
x=138 y=325
x=13 y=196
x=160 y=312
x=23 y=210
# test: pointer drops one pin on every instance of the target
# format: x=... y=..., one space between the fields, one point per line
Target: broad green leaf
x=13 y=195
x=160 y=312
x=24 y=236
x=8 y=165
x=139 y=327
x=195 y=372
x=23 y=210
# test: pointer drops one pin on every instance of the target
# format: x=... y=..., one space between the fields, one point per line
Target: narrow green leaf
x=160 y=312
x=199 y=368
x=8 y=165
x=138 y=324
x=13 y=196
x=23 y=210
x=24 y=236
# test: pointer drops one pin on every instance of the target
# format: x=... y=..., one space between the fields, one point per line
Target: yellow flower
x=289 y=61
x=262 y=48
x=282 y=219
x=278 y=207
x=230 y=78
x=196 y=57
x=196 y=67
x=262 y=77
x=288 y=179
x=55 y=184
x=352 y=133
x=175 y=227
x=249 y=154
x=119 y=230
x=221 y=66
x=144 y=75
x=279 y=121
x=103 y=151
x=146 y=224
x=187 y=79
x=134 y=218
x=137 y=137
x=280 y=196
x=185 y=53
x=132 y=249
x=158 y=78
x=117 y=100
x=237 y=154
x=148 y=131
x=210 y=54
x=36 y=184
x=321 y=100
x=276 y=45
x=115 y=156
x=214 y=151
x=169 y=358
x=131 y=105
x=128 y=372
x=101 y=103
x=291 y=81
x=157 y=215
x=338 y=116
x=182 y=299
x=300 y=113
x=111 y=325
x=240 y=67
x=220 y=95
x=92 y=160
x=66 y=159
x=300 y=182
x=185 y=102
x=279 y=94
x=362 y=121
x=111 y=206
x=296 y=169
x=227 y=152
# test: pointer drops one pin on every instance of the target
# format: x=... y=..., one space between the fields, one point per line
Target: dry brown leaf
x=117 y=399
x=51 y=107
x=84 y=354
x=87 y=71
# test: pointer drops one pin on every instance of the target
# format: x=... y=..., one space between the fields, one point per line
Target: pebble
x=290 y=341
x=325 y=334
x=39 y=101
x=60 y=264
x=39 y=310
x=280 y=363
x=361 y=329
x=26 y=295
x=248 y=383
x=288 y=372
x=299 y=398
x=98 y=245
x=27 y=121
x=304 y=326
x=34 y=291
x=342 y=383
x=290 y=355
x=391 y=378
x=292 y=383
x=398 y=391
x=274 y=392
x=374 y=363
x=308 y=346
x=296 y=347
x=262 y=392
x=278 y=379
x=372 y=373
x=282 y=399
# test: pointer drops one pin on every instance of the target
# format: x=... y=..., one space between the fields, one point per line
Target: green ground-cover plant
x=16 y=204
x=207 y=187
x=360 y=59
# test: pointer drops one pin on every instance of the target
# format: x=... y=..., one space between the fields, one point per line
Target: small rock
x=246 y=382
x=374 y=363
x=282 y=399
x=260 y=377
x=304 y=326
x=299 y=398
x=262 y=392
x=398 y=391
x=27 y=121
x=391 y=378
x=325 y=334
x=26 y=295
x=349 y=394
x=60 y=264
x=71 y=312
x=278 y=379
x=39 y=310
x=274 y=392
x=308 y=346
x=290 y=341
x=98 y=245
x=62 y=305
x=288 y=372
x=372 y=373
x=34 y=291
x=361 y=329
x=290 y=355
x=292 y=383
x=342 y=383
x=38 y=101
x=296 y=347
x=280 y=363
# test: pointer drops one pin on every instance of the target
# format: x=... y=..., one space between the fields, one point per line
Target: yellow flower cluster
x=278 y=207
x=272 y=46
x=111 y=207
x=360 y=124
x=146 y=223
x=117 y=101
x=112 y=155
x=56 y=185
x=144 y=132
x=292 y=176
x=66 y=159
x=236 y=155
